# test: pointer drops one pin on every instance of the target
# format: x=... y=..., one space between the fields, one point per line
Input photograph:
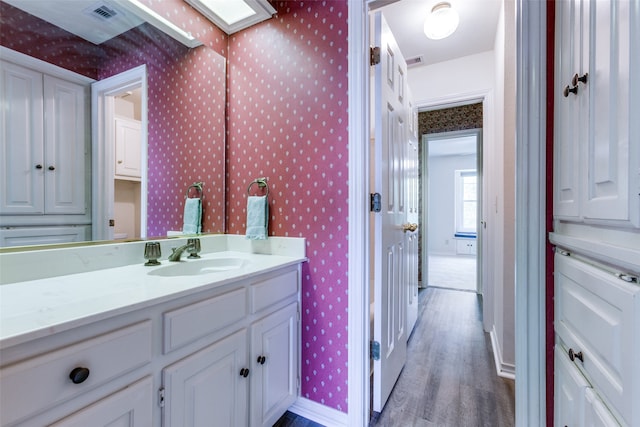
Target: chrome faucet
x=177 y=252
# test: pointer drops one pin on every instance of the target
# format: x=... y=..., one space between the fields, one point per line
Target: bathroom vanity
x=209 y=341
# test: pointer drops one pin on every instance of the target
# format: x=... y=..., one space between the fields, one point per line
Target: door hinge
x=374 y=350
x=112 y=223
x=161 y=397
x=374 y=55
x=375 y=202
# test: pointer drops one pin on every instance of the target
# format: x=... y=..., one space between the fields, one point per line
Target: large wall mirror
x=182 y=115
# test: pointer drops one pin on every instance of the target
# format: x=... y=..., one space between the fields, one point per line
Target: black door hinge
x=376 y=202
x=374 y=55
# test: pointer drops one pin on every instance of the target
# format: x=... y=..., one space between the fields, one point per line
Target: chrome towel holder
x=262 y=183
x=198 y=187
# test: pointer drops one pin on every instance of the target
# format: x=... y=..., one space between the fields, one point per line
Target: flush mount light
x=234 y=15
x=441 y=22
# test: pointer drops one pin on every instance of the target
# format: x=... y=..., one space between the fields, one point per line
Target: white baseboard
x=504 y=370
x=319 y=413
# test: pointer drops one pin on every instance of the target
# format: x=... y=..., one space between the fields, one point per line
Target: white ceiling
x=475 y=34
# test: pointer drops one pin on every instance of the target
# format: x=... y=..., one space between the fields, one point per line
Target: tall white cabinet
x=44 y=150
x=597 y=213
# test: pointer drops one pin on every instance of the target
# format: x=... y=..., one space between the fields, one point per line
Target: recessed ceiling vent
x=103 y=12
x=415 y=61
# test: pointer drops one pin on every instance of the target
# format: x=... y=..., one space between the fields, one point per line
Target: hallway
x=450 y=377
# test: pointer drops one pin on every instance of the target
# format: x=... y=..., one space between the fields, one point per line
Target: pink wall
x=288 y=122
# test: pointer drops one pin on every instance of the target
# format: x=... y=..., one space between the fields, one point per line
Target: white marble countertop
x=38 y=308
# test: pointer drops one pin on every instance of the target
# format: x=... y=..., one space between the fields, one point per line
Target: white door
x=389 y=251
x=210 y=387
x=21 y=141
x=411 y=177
x=66 y=146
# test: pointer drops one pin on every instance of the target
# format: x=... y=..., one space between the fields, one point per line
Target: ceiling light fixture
x=234 y=15
x=441 y=22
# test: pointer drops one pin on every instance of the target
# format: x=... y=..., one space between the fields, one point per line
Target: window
x=466 y=202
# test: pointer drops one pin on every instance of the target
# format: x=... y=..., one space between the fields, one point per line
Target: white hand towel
x=257 y=217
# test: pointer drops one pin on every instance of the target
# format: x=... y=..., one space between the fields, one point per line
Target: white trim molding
x=504 y=370
x=530 y=212
x=358 y=264
x=319 y=413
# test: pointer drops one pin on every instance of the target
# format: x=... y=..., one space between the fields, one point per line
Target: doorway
x=119 y=156
x=451 y=170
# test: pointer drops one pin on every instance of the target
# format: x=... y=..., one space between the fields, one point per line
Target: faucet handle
x=152 y=253
x=194 y=244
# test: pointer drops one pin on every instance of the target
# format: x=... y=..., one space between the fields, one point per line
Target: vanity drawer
x=270 y=291
x=598 y=314
x=43 y=381
x=187 y=324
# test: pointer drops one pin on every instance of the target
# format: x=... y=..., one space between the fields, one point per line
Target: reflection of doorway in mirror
x=119 y=126
x=128 y=147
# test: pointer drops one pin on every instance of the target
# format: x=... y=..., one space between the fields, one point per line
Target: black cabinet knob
x=261 y=360
x=79 y=375
x=568 y=90
x=52 y=168
x=582 y=79
x=573 y=355
x=244 y=372
x=38 y=166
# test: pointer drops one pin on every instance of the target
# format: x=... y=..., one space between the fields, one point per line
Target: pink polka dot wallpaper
x=288 y=122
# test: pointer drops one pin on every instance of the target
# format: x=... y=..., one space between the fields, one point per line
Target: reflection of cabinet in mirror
x=45 y=152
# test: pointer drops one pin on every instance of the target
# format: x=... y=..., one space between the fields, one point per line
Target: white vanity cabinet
x=211 y=384
x=225 y=353
x=54 y=376
x=274 y=360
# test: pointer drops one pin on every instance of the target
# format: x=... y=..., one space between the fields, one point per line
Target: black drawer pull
x=244 y=372
x=573 y=355
x=261 y=360
x=79 y=375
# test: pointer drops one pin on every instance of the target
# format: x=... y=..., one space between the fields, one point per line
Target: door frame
x=531 y=53
x=103 y=93
x=424 y=168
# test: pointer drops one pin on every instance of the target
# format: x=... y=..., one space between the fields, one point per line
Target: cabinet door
x=208 y=388
x=128 y=148
x=274 y=356
x=570 y=387
x=66 y=147
x=612 y=157
x=130 y=407
x=21 y=133
x=570 y=125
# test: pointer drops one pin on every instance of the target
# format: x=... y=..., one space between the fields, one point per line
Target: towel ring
x=198 y=187
x=262 y=183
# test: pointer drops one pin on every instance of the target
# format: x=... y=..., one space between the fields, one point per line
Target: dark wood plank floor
x=449 y=378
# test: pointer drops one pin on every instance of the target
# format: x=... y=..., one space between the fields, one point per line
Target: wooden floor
x=449 y=378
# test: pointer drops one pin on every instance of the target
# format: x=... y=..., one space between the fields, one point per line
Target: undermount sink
x=199 y=267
